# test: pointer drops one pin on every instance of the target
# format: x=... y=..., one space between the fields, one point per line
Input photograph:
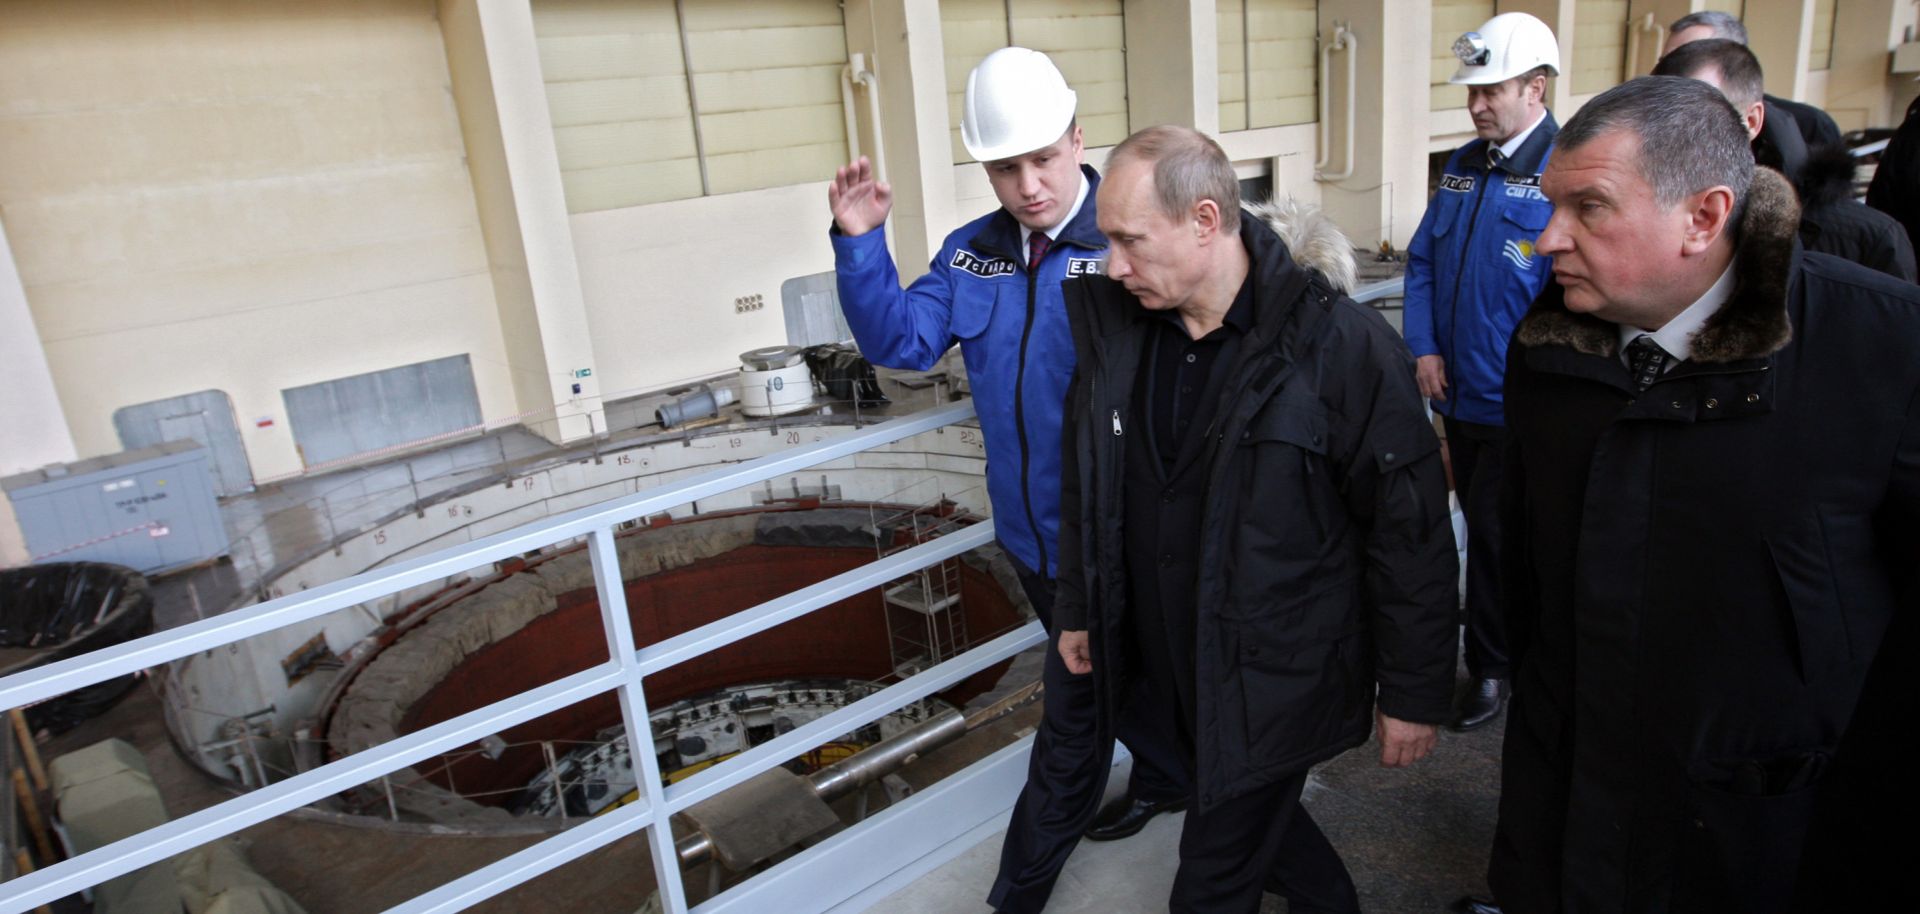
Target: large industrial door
x=206 y=418
x=337 y=419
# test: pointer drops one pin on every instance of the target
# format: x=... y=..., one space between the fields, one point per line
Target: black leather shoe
x=1483 y=701
x=1126 y=816
x=1468 y=904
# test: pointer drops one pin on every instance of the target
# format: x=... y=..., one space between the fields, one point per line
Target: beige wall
x=1385 y=196
x=1855 y=88
x=660 y=280
x=249 y=195
x=33 y=428
x=238 y=195
x=1782 y=38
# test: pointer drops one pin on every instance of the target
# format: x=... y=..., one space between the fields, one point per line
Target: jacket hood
x=1752 y=324
x=1313 y=239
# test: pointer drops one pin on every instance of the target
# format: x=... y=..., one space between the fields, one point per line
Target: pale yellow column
x=1860 y=90
x=1387 y=192
x=1558 y=15
x=497 y=86
x=1782 y=38
x=33 y=428
x=900 y=42
x=1173 y=64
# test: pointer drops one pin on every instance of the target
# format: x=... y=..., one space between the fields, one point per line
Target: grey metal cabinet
x=152 y=509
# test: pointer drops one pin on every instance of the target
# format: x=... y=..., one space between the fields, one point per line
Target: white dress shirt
x=1677 y=336
x=1511 y=146
x=1053 y=234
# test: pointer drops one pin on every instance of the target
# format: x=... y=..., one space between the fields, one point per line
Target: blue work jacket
x=1012 y=329
x=1472 y=270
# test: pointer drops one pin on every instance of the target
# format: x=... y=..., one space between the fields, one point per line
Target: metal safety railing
x=845 y=871
x=845 y=868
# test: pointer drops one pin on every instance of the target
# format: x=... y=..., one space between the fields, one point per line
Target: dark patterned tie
x=1645 y=361
x=1037 y=244
x=1494 y=157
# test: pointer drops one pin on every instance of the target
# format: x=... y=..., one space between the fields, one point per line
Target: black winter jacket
x=1699 y=578
x=1816 y=127
x=1327 y=564
x=1833 y=222
x=1896 y=181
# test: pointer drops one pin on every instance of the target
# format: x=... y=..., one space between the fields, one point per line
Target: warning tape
x=149 y=525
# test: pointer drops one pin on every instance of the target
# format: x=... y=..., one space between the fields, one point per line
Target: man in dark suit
x=1713 y=505
x=1816 y=127
x=1831 y=221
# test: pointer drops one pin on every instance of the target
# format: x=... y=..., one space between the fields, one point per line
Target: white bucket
x=775 y=381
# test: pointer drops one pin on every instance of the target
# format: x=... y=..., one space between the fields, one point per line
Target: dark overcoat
x=1700 y=579
x=1327 y=562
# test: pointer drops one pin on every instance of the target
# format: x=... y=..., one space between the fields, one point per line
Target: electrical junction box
x=152 y=509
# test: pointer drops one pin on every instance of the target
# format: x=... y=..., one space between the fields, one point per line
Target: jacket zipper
x=1466 y=249
x=1020 y=423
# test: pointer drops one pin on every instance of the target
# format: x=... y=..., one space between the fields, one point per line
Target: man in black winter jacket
x=1831 y=221
x=1896 y=182
x=1253 y=520
x=1713 y=509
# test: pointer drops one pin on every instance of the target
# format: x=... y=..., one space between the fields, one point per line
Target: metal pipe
x=1343 y=40
x=866 y=78
x=1326 y=101
x=856 y=771
x=1645 y=23
x=846 y=112
x=703 y=402
x=887 y=756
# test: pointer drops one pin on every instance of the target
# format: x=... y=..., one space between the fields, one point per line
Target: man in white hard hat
x=1471 y=273
x=994 y=288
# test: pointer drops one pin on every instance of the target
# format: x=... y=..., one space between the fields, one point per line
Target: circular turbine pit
x=537 y=621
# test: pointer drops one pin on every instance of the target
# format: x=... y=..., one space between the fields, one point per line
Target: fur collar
x=1313 y=240
x=1827 y=178
x=1752 y=324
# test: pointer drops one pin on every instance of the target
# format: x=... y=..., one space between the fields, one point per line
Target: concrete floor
x=1414 y=839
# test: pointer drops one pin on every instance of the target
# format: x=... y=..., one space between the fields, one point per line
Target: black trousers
x=1479 y=453
x=1259 y=841
x=1262 y=841
x=1067 y=774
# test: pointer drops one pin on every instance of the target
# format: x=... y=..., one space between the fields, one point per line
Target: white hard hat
x=1504 y=47
x=1016 y=102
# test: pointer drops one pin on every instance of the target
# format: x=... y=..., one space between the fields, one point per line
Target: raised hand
x=860 y=201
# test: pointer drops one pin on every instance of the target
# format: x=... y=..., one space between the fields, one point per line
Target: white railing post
x=611 y=586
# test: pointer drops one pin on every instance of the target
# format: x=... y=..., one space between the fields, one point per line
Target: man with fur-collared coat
x=1712 y=503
